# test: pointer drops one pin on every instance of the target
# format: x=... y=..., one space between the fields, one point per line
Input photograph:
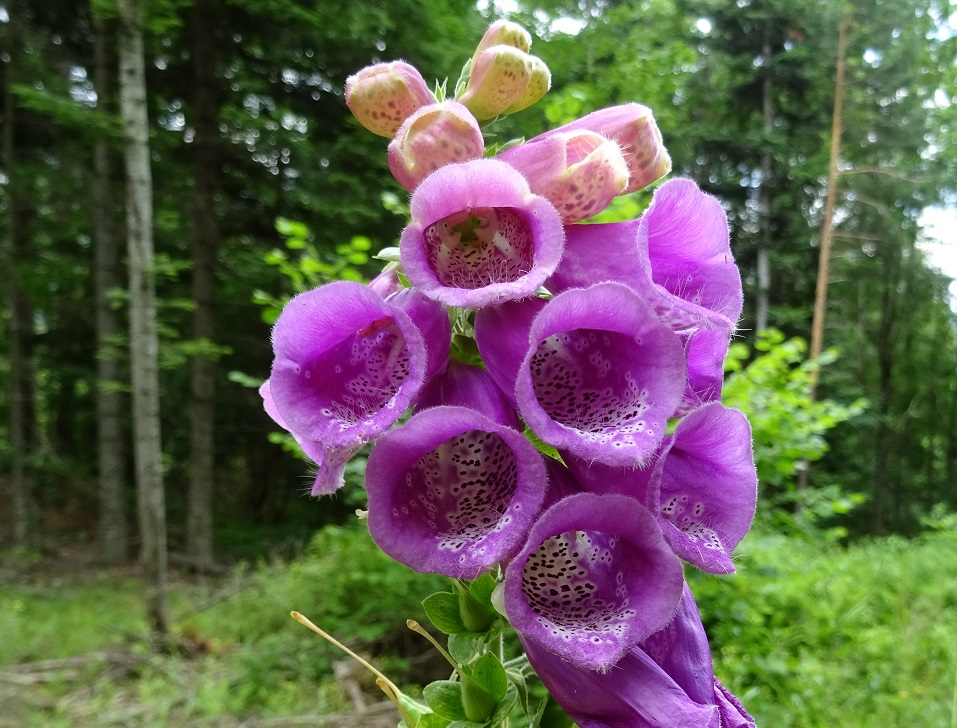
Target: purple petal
x=313 y=450
x=708 y=487
x=733 y=714
x=677 y=256
x=479 y=236
x=347 y=364
x=596 y=477
x=705 y=352
x=635 y=693
x=435 y=135
x=602 y=252
x=686 y=234
x=453 y=492
x=681 y=650
x=432 y=320
x=594 y=578
x=501 y=334
x=332 y=469
x=462 y=385
x=602 y=375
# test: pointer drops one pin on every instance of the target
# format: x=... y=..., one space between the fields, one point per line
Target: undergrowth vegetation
x=809 y=635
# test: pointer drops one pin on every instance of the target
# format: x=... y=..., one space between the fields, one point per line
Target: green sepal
x=483 y=587
x=478 y=703
x=467 y=724
x=445 y=699
x=488 y=673
x=477 y=616
x=443 y=611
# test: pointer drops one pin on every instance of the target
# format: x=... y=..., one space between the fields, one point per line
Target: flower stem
x=419 y=629
x=385 y=684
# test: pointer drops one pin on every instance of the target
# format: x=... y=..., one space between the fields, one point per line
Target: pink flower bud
x=435 y=135
x=633 y=128
x=382 y=96
x=579 y=172
x=500 y=77
x=504 y=32
x=538 y=85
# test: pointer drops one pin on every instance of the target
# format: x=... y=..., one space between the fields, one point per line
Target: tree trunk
x=764 y=204
x=205 y=240
x=824 y=254
x=144 y=338
x=18 y=303
x=113 y=528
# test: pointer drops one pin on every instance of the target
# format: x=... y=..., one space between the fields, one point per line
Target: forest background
x=844 y=609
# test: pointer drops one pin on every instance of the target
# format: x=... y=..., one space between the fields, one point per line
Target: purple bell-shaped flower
x=600 y=375
x=349 y=363
x=667 y=681
x=595 y=578
x=479 y=236
x=456 y=488
x=705 y=487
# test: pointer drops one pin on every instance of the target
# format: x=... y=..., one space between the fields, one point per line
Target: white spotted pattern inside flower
x=480 y=246
x=689 y=517
x=584 y=379
x=575 y=583
x=360 y=376
x=461 y=492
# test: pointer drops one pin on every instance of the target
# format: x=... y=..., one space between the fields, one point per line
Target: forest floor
x=74 y=653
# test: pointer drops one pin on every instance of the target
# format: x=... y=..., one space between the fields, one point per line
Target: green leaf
x=476 y=700
x=466 y=646
x=488 y=673
x=477 y=616
x=244 y=379
x=445 y=699
x=432 y=720
x=442 y=609
x=361 y=242
x=291 y=228
x=517 y=679
x=415 y=710
x=505 y=706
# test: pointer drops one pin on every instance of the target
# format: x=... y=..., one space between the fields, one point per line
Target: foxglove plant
x=540 y=394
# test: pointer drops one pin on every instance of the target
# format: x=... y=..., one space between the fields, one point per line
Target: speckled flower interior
x=478 y=246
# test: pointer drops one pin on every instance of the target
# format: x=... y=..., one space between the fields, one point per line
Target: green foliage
x=303 y=267
x=812 y=635
x=788 y=425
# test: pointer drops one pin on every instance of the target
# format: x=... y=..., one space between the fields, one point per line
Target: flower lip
x=704 y=491
x=453 y=492
x=601 y=375
x=347 y=364
x=479 y=236
x=594 y=578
